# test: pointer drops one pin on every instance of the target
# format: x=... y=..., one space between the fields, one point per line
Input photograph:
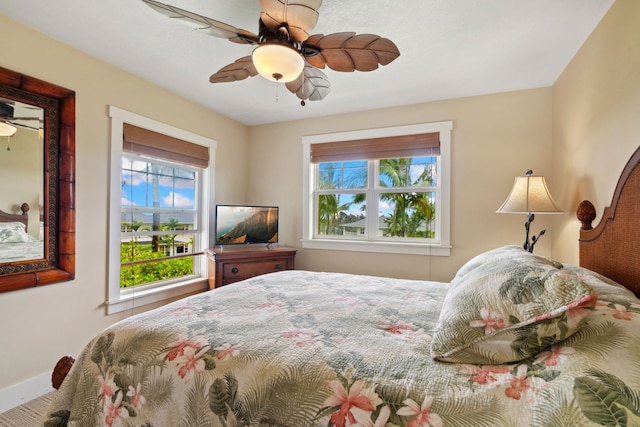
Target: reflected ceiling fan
x=9 y=121
x=285 y=52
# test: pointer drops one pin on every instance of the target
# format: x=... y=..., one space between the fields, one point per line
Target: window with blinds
x=160 y=196
x=160 y=205
x=376 y=188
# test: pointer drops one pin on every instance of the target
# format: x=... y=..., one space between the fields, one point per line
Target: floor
x=28 y=414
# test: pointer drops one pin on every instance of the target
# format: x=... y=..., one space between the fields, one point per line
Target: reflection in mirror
x=37 y=181
x=21 y=181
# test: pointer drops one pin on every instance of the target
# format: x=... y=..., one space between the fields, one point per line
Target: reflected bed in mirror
x=41 y=174
x=19 y=241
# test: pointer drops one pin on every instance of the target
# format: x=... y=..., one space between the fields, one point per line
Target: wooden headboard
x=612 y=248
x=23 y=218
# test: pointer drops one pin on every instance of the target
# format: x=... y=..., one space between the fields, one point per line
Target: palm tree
x=409 y=209
x=329 y=207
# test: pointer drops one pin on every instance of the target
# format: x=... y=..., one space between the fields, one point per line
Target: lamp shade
x=529 y=195
x=277 y=62
x=6 y=129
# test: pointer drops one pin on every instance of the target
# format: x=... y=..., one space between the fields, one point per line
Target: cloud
x=126 y=202
x=178 y=200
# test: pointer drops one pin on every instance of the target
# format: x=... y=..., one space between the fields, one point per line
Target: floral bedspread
x=12 y=252
x=299 y=348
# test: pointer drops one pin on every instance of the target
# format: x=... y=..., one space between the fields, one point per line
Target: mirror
x=43 y=116
x=21 y=160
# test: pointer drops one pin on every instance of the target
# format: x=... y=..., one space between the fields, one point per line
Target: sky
x=176 y=186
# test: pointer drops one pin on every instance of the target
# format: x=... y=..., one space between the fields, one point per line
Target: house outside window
x=160 y=199
x=378 y=190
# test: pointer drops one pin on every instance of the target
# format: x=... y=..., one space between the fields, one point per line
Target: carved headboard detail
x=23 y=217
x=612 y=248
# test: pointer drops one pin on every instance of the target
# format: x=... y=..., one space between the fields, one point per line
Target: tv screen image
x=246 y=224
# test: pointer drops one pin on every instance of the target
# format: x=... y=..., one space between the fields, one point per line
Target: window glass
x=407 y=215
x=158 y=199
x=383 y=190
x=343 y=175
x=341 y=214
x=408 y=172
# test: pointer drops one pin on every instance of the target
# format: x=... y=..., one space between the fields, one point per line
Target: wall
x=39 y=325
x=596 y=119
x=494 y=138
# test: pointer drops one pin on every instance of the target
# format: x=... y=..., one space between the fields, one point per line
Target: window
x=160 y=199
x=379 y=190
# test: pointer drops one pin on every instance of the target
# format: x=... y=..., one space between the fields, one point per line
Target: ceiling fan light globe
x=6 y=129
x=277 y=62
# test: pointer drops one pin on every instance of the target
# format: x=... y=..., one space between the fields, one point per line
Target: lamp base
x=528 y=245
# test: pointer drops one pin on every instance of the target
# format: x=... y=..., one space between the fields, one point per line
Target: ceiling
x=448 y=48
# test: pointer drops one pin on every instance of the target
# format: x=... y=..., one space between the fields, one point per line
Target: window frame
x=442 y=248
x=118 y=299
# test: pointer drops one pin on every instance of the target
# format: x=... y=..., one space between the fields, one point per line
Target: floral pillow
x=14 y=232
x=508 y=304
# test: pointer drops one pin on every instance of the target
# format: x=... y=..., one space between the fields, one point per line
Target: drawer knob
x=234 y=270
x=278 y=266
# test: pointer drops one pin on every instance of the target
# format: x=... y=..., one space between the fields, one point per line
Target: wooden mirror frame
x=59 y=104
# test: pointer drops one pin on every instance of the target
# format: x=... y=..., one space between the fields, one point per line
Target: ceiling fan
x=285 y=52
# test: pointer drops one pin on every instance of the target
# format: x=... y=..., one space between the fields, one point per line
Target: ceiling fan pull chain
x=302 y=103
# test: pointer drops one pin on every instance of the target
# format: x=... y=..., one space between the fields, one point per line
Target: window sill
x=379 y=247
x=132 y=298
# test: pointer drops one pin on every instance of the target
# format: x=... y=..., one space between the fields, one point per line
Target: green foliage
x=411 y=210
x=149 y=272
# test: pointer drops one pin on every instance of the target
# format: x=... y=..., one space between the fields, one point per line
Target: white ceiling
x=448 y=48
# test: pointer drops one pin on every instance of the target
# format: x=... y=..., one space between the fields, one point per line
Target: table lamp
x=529 y=196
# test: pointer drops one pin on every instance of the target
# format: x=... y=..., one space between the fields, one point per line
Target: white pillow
x=14 y=232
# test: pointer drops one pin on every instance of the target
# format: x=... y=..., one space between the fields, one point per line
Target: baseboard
x=25 y=391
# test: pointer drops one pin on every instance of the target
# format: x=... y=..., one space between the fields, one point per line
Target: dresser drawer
x=228 y=265
x=243 y=270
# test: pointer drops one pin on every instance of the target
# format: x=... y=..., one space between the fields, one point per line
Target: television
x=237 y=224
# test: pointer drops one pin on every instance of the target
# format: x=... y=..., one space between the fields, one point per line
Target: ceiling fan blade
x=21 y=118
x=312 y=84
x=239 y=70
x=350 y=51
x=300 y=15
x=199 y=22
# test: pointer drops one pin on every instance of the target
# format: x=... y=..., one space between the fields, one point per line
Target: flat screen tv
x=246 y=224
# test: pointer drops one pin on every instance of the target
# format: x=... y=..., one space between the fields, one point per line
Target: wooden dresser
x=230 y=264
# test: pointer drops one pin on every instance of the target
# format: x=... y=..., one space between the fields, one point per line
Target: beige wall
x=494 y=138
x=40 y=325
x=596 y=119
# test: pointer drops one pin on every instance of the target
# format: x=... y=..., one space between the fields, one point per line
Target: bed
x=15 y=243
x=515 y=339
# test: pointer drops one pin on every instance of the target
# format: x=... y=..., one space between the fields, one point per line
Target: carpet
x=28 y=414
